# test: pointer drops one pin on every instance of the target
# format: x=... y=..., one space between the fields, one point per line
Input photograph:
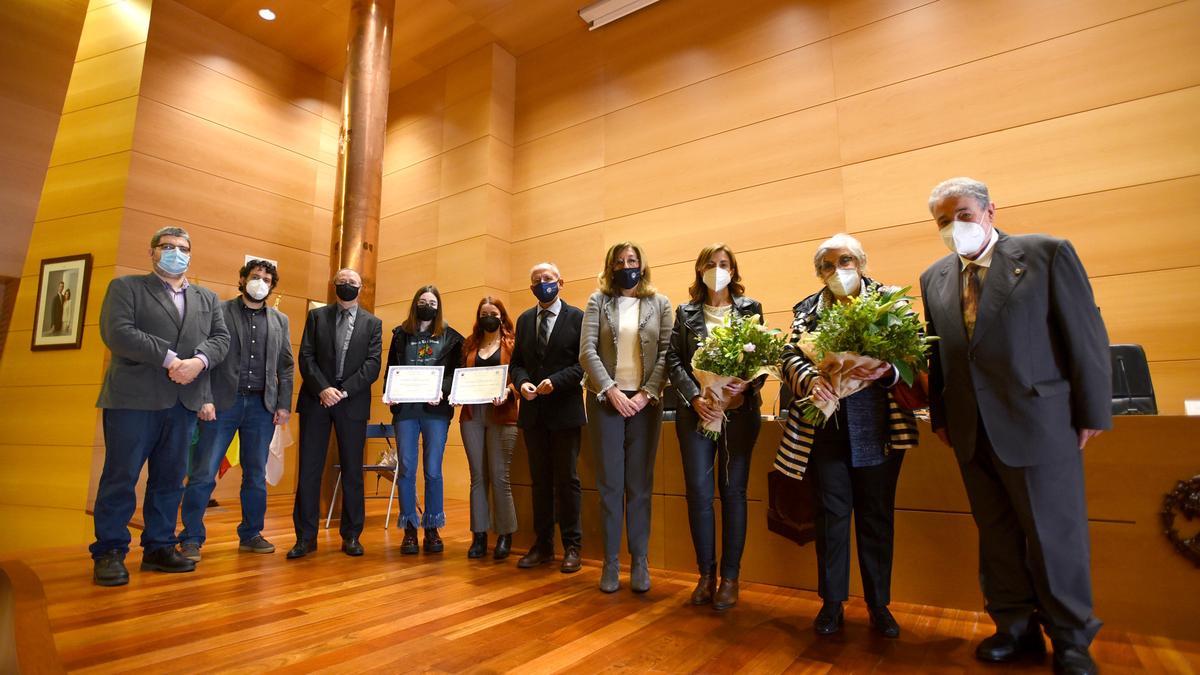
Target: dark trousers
x=1034 y=551
x=254 y=426
x=553 y=459
x=732 y=454
x=624 y=449
x=133 y=438
x=869 y=494
x=314 y=446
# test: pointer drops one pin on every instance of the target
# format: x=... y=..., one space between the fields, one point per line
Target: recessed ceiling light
x=266 y=14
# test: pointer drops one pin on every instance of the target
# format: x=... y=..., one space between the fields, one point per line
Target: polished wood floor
x=444 y=613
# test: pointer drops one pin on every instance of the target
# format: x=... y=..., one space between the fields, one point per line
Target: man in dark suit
x=545 y=368
x=1019 y=381
x=164 y=334
x=339 y=361
x=58 y=306
x=252 y=394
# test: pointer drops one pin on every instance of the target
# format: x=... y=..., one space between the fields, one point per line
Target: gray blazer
x=598 y=342
x=1036 y=368
x=278 y=392
x=139 y=324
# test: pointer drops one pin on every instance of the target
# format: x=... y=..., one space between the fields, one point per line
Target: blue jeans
x=133 y=438
x=432 y=432
x=254 y=425
x=732 y=453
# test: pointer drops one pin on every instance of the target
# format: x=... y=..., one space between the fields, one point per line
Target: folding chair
x=387 y=432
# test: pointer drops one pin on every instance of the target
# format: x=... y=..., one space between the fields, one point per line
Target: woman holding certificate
x=489 y=431
x=622 y=347
x=423 y=340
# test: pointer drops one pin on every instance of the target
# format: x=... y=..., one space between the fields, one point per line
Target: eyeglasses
x=173 y=247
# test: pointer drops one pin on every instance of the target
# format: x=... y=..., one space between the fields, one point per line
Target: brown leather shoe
x=536 y=556
x=726 y=595
x=571 y=562
x=705 y=587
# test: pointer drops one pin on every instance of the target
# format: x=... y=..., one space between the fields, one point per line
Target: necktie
x=343 y=333
x=543 y=330
x=970 y=298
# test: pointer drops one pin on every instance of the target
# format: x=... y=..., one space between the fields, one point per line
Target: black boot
x=478 y=545
x=503 y=546
x=409 y=545
x=433 y=541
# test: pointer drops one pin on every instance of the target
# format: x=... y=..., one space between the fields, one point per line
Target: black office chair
x=387 y=432
x=1133 y=392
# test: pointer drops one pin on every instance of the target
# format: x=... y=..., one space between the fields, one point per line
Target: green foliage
x=879 y=324
x=740 y=347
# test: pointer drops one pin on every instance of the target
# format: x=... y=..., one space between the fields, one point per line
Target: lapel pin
x=1018 y=271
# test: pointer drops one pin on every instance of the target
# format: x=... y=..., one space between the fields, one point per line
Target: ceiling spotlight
x=266 y=14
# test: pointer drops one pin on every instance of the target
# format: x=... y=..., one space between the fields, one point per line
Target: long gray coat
x=139 y=324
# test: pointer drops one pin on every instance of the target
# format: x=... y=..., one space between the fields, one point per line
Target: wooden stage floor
x=444 y=613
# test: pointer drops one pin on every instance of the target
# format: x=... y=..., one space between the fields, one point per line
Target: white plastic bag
x=280 y=441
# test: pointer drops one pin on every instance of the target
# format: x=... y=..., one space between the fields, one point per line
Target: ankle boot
x=433 y=541
x=503 y=546
x=409 y=545
x=478 y=545
x=705 y=587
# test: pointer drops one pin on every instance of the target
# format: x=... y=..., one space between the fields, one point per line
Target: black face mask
x=426 y=313
x=628 y=278
x=489 y=323
x=346 y=292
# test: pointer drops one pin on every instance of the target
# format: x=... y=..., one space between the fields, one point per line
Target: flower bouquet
x=870 y=330
x=736 y=352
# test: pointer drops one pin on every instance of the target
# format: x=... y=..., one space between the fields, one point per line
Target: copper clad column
x=360 y=144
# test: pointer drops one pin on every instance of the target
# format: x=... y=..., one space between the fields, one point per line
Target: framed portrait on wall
x=61 y=302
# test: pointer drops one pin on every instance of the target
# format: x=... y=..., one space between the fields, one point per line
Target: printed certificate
x=478 y=385
x=413 y=384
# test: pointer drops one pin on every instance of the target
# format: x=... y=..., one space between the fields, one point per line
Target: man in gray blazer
x=164 y=334
x=252 y=394
x=1019 y=382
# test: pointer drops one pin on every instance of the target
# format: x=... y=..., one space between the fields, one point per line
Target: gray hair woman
x=854 y=459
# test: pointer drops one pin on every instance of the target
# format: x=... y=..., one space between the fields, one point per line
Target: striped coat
x=798 y=374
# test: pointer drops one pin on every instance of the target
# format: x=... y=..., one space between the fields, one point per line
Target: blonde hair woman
x=623 y=347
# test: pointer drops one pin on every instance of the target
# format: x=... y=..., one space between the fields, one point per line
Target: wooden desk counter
x=1140 y=582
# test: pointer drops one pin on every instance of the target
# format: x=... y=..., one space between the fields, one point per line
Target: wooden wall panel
x=105 y=78
x=1131 y=58
x=112 y=27
x=763 y=89
x=936 y=36
x=1156 y=139
x=570 y=202
x=783 y=147
x=1135 y=310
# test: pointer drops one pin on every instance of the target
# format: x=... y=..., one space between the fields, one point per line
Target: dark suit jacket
x=318 y=360
x=689 y=329
x=1037 y=367
x=139 y=324
x=278 y=392
x=562 y=408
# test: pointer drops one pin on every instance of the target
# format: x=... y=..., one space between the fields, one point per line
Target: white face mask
x=258 y=289
x=963 y=237
x=843 y=283
x=716 y=279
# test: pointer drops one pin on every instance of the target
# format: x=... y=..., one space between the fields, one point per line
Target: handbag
x=912 y=396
